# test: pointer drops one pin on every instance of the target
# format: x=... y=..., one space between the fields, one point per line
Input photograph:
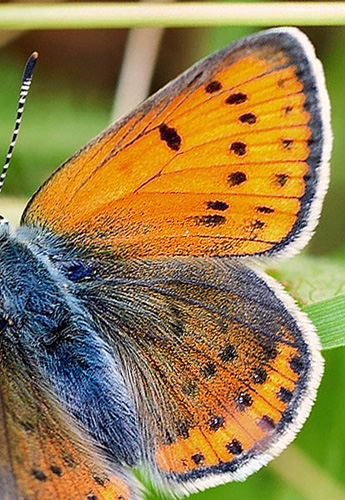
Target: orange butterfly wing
x=41 y=456
x=229 y=159
x=222 y=365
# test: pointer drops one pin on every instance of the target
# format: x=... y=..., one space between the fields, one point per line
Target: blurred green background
x=70 y=102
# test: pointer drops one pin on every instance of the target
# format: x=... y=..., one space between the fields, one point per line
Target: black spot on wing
x=216 y=423
x=56 y=470
x=236 y=178
x=212 y=87
x=264 y=210
x=284 y=394
x=39 y=475
x=258 y=224
x=259 y=376
x=228 y=354
x=236 y=98
x=217 y=205
x=234 y=447
x=210 y=220
x=198 y=458
x=238 y=148
x=287 y=143
x=170 y=136
x=248 y=118
x=281 y=179
x=243 y=401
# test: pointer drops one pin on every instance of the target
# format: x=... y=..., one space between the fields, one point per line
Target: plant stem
x=311 y=481
x=127 y=15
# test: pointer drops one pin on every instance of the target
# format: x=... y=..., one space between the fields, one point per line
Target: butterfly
x=137 y=329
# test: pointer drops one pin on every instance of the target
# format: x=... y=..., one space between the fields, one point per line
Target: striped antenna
x=24 y=89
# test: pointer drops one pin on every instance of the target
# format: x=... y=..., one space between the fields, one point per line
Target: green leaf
x=311 y=279
x=329 y=318
x=318 y=284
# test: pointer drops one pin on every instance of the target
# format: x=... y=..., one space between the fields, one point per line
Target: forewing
x=228 y=159
x=222 y=365
x=41 y=456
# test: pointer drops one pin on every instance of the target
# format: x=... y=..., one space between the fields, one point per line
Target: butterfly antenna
x=24 y=90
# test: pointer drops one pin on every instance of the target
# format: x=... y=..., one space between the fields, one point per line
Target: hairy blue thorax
x=44 y=323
